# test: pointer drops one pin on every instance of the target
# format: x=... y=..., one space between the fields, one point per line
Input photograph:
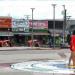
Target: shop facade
x=20 y=29
x=5 y=28
x=40 y=30
x=56 y=33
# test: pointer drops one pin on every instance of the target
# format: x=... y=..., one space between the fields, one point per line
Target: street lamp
x=64 y=23
x=27 y=20
x=68 y=23
x=32 y=27
x=8 y=33
x=53 y=25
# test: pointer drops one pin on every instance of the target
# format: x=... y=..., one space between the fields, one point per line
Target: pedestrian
x=37 y=44
x=30 y=43
x=72 y=49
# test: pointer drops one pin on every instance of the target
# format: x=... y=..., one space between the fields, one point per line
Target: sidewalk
x=29 y=48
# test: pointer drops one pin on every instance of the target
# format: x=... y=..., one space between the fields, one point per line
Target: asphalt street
x=12 y=55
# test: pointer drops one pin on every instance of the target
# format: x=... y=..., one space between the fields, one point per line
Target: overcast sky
x=43 y=8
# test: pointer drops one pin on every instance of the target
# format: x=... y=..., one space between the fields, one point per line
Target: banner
x=5 y=22
x=39 y=24
x=20 y=25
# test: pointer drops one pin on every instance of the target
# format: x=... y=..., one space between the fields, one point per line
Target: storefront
x=40 y=30
x=20 y=29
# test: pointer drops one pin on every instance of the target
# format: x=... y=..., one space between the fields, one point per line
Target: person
x=37 y=44
x=72 y=49
x=30 y=43
x=5 y=43
x=68 y=38
x=1 y=43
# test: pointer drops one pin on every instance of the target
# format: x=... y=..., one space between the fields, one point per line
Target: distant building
x=5 y=27
x=58 y=27
x=21 y=29
x=71 y=25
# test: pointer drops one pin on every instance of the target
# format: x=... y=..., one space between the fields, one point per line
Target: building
x=71 y=25
x=20 y=30
x=5 y=28
x=39 y=30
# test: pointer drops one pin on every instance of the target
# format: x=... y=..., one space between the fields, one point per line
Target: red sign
x=39 y=24
x=5 y=22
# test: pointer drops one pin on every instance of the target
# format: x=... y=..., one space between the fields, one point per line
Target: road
x=8 y=57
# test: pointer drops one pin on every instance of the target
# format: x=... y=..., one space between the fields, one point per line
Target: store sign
x=39 y=24
x=5 y=22
x=20 y=29
x=20 y=25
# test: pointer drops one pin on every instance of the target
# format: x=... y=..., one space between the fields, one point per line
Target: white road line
x=50 y=66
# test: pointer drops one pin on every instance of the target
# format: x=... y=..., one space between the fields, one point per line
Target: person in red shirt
x=72 y=49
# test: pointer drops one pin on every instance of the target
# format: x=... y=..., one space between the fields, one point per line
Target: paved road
x=13 y=55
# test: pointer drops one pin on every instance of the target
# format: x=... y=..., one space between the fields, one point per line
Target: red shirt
x=72 y=43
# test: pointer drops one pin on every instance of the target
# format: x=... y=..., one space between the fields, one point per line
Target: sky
x=43 y=8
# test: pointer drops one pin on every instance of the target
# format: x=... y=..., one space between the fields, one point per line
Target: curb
x=24 y=48
x=27 y=48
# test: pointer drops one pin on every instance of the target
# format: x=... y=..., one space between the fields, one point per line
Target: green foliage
x=58 y=40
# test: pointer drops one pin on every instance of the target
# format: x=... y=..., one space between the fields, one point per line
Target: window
x=58 y=24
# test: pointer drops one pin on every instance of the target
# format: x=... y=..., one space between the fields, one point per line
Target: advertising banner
x=39 y=24
x=5 y=22
x=20 y=25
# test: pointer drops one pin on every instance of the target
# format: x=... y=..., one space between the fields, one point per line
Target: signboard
x=39 y=24
x=20 y=25
x=5 y=22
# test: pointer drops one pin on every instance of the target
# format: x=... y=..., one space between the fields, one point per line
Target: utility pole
x=27 y=17
x=26 y=20
x=32 y=28
x=64 y=23
x=53 y=25
x=68 y=21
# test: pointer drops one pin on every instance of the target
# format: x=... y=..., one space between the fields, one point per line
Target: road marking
x=50 y=66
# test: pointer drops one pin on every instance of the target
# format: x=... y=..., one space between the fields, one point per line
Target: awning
x=39 y=33
x=6 y=34
x=11 y=33
x=43 y=33
x=22 y=33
